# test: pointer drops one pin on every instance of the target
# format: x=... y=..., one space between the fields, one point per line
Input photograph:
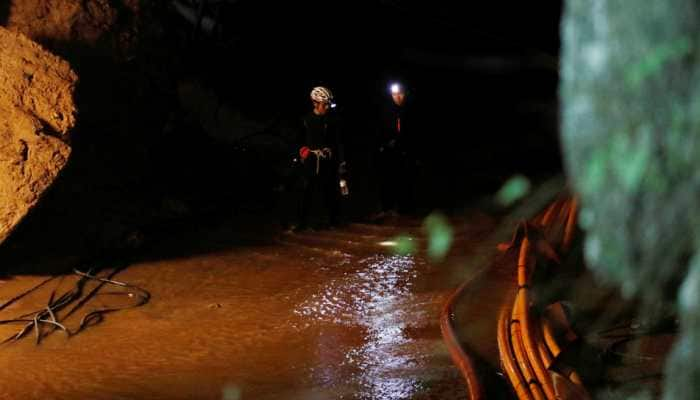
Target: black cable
x=48 y=315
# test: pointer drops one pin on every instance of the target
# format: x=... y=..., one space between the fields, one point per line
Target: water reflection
x=376 y=298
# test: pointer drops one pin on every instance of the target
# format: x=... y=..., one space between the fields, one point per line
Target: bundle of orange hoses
x=528 y=342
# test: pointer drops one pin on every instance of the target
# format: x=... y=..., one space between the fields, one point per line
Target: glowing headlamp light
x=395 y=88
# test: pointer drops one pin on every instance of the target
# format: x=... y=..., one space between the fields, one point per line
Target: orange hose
x=531 y=348
x=527 y=344
x=508 y=359
x=525 y=367
x=536 y=391
x=548 y=334
x=459 y=356
x=573 y=377
x=565 y=210
x=566 y=389
x=522 y=276
x=549 y=214
x=545 y=354
x=521 y=309
x=570 y=225
x=522 y=262
x=519 y=351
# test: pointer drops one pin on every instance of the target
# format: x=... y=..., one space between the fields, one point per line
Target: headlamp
x=395 y=88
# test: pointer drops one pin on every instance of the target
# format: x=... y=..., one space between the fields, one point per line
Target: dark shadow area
x=4 y=12
x=144 y=166
x=495 y=384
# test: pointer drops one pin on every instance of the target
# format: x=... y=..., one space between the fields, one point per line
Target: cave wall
x=630 y=98
x=37 y=114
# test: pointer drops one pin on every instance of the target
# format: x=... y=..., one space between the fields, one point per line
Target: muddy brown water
x=320 y=315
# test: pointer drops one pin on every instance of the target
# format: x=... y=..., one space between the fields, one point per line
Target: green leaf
x=513 y=190
x=440 y=236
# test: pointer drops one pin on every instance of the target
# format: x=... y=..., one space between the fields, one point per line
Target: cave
x=237 y=199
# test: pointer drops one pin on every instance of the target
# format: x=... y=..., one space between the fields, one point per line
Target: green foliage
x=405 y=245
x=513 y=190
x=440 y=236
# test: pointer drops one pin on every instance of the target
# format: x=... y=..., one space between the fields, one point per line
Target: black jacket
x=397 y=129
x=322 y=131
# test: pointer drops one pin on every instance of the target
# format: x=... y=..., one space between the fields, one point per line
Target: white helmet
x=321 y=95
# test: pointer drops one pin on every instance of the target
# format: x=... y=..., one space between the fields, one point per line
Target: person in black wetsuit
x=396 y=155
x=322 y=156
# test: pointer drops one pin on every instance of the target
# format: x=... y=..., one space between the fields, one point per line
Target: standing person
x=396 y=155
x=321 y=152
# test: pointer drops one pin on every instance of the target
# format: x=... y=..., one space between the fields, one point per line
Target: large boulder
x=37 y=113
